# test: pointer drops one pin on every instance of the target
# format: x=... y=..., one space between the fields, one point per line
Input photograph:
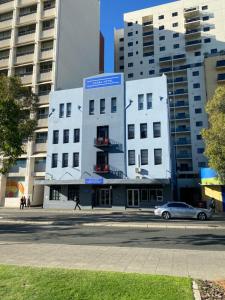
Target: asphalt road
x=67 y=228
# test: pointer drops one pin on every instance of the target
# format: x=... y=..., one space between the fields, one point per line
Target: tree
x=17 y=106
x=214 y=137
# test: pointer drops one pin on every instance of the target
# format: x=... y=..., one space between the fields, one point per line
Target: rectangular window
x=54 y=160
x=131 y=131
x=144 y=157
x=200 y=150
x=65 y=158
x=130 y=44
x=130 y=65
x=175 y=24
x=130 y=34
x=198 y=110
x=140 y=102
x=68 y=109
x=151 y=61
x=205 y=18
x=131 y=157
x=205 y=29
x=195 y=73
x=176 y=46
x=158 y=156
x=130 y=54
x=61 y=110
x=113 y=105
x=161 y=17
x=162 y=48
x=161 y=27
x=143 y=131
x=208 y=40
x=199 y=137
x=41 y=137
x=162 y=38
x=76 y=136
x=149 y=100
x=55 y=137
x=66 y=134
x=196 y=85
x=130 y=75
x=151 y=72
x=91 y=107
x=197 y=98
x=102 y=106
x=199 y=124
x=174 y=14
x=156 y=129
x=204 y=7
x=55 y=192
x=76 y=159
x=176 y=35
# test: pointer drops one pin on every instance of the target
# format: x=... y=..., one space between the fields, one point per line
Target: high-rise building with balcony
x=184 y=40
x=51 y=45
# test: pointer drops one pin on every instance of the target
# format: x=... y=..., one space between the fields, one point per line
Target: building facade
x=50 y=45
x=109 y=144
x=175 y=39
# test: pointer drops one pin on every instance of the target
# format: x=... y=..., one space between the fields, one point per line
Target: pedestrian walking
x=212 y=204
x=77 y=203
x=21 y=203
x=28 y=202
x=24 y=201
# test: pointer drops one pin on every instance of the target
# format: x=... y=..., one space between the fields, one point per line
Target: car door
x=184 y=210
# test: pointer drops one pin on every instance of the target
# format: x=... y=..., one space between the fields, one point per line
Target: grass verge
x=26 y=283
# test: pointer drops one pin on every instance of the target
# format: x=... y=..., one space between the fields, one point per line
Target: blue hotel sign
x=94 y=181
x=101 y=82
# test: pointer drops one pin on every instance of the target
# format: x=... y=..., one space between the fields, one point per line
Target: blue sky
x=112 y=17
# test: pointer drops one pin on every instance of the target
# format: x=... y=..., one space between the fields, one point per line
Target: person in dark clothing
x=77 y=203
x=212 y=205
x=28 y=202
x=24 y=201
x=21 y=203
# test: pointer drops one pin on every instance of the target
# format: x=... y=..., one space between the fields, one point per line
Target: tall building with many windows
x=178 y=39
x=50 y=45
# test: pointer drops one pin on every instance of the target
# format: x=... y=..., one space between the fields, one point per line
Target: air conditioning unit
x=137 y=170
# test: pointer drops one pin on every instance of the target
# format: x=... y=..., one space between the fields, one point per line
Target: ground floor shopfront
x=106 y=195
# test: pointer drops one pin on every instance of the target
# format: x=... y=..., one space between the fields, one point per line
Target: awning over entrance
x=95 y=181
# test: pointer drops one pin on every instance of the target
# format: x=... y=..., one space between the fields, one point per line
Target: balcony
x=44 y=55
x=148 y=44
x=26 y=38
x=5 y=43
x=181 y=129
x=5 y=24
x=180 y=116
x=178 y=80
x=184 y=155
x=172 y=59
x=43 y=99
x=49 y=13
x=102 y=169
x=7 y=6
x=179 y=104
x=183 y=142
x=220 y=64
x=102 y=142
x=46 y=34
x=147 y=23
x=46 y=76
x=193 y=33
x=26 y=18
x=192 y=22
x=193 y=44
x=148 y=33
x=179 y=92
x=221 y=78
x=191 y=12
x=26 y=2
x=24 y=59
x=42 y=123
x=40 y=147
x=26 y=79
x=4 y=62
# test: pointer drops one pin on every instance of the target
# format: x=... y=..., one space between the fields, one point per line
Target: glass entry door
x=104 y=197
x=133 y=198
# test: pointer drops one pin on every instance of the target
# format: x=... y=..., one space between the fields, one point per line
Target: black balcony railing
x=221 y=77
x=102 y=169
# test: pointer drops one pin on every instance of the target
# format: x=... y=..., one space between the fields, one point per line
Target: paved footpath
x=196 y=264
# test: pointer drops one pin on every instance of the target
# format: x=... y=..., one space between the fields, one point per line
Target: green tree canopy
x=214 y=137
x=17 y=105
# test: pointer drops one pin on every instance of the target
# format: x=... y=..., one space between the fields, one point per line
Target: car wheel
x=166 y=215
x=202 y=216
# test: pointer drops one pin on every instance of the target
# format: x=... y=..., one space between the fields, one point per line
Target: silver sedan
x=182 y=210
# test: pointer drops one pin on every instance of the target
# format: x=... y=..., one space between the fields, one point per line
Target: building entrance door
x=104 y=197
x=133 y=198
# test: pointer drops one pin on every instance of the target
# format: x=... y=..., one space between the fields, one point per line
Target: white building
x=109 y=144
x=173 y=39
x=51 y=45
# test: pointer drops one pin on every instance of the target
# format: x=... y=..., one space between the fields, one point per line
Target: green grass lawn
x=25 y=283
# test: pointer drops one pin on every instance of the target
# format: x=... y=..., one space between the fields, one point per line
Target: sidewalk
x=196 y=264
